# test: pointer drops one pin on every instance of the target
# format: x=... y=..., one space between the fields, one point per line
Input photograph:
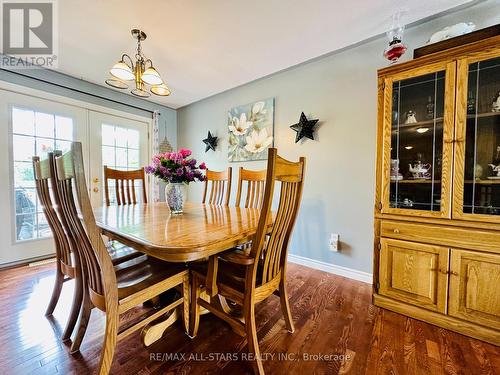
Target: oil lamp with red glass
x=396 y=47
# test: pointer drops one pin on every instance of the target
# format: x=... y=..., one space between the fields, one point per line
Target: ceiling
x=203 y=47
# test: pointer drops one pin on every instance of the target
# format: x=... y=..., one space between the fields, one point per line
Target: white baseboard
x=24 y=262
x=332 y=268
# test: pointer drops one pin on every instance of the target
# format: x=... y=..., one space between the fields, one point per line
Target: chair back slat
x=77 y=232
x=220 y=187
x=254 y=185
x=44 y=183
x=124 y=185
x=271 y=247
x=96 y=261
x=133 y=193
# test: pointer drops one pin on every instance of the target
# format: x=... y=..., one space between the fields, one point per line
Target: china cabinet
x=437 y=209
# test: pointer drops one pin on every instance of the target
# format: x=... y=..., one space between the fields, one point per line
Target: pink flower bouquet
x=176 y=167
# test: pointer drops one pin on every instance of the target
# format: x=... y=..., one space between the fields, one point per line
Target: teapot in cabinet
x=420 y=170
x=496 y=169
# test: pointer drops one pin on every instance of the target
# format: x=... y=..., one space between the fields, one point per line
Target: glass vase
x=175 y=194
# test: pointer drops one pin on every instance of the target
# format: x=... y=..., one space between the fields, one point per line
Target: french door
x=34 y=126
x=118 y=143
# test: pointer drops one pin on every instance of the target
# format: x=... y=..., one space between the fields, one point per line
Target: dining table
x=201 y=231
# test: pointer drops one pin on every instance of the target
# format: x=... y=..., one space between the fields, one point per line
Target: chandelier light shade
x=151 y=76
x=141 y=72
x=122 y=71
x=140 y=92
x=117 y=83
x=161 y=90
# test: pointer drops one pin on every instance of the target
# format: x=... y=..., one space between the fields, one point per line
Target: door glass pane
x=133 y=159
x=23 y=174
x=108 y=135
x=121 y=158
x=43 y=226
x=25 y=148
x=121 y=150
x=64 y=128
x=133 y=138
x=120 y=147
x=25 y=227
x=108 y=156
x=44 y=125
x=482 y=140
x=63 y=146
x=44 y=146
x=23 y=121
x=34 y=133
x=417 y=142
x=121 y=136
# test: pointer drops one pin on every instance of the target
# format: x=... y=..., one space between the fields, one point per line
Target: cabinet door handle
x=443 y=271
x=396 y=230
x=454 y=273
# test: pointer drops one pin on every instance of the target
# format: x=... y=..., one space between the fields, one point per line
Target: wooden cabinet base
x=457 y=325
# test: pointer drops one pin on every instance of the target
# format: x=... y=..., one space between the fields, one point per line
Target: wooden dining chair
x=248 y=279
x=67 y=261
x=124 y=182
x=254 y=187
x=220 y=187
x=113 y=290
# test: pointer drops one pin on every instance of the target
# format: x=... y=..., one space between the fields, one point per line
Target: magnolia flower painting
x=251 y=130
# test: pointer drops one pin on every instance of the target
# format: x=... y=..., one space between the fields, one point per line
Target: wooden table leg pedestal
x=155 y=330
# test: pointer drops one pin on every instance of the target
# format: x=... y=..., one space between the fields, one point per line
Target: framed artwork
x=251 y=131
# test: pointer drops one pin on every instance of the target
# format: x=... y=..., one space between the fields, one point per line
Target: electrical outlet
x=334 y=242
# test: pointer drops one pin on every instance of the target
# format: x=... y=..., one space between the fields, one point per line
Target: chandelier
x=142 y=72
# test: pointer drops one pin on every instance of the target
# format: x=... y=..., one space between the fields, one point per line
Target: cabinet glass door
x=419 y=127
x=478 y=140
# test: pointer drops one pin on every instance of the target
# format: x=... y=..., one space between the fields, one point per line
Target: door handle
x=96 y=190
x=95 y=180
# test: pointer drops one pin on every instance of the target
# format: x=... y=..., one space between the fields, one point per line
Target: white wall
x=340 y=90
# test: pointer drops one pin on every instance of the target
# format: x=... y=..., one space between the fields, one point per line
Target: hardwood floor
x=333 y=317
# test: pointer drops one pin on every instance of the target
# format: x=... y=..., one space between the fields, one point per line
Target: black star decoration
x=210 y=141
x=304 y=128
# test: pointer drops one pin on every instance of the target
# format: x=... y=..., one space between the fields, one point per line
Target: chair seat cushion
x=142 y=272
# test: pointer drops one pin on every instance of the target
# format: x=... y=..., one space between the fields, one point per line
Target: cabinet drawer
x=476 y=239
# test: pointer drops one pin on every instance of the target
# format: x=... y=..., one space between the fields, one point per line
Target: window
x=34 y=133
x=120 y=150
